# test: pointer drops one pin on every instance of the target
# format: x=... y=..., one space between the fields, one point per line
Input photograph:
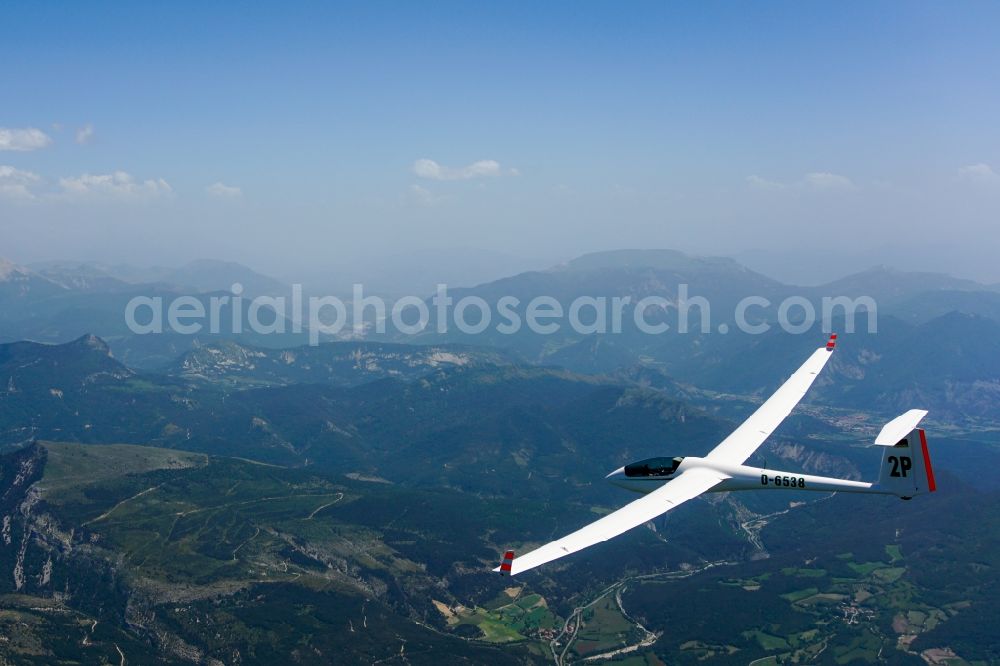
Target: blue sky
x=288 y=137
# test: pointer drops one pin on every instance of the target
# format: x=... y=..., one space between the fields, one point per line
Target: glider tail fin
x=906 y=462
x=505 y=565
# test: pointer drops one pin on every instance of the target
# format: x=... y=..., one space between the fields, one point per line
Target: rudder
x=906 y=462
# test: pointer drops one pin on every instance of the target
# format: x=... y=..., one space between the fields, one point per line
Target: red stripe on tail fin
x=508 y=559
x=931 y=485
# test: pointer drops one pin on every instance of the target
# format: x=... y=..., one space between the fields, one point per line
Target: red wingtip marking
x=931 y=485
x=509 y=555
x=832 y=342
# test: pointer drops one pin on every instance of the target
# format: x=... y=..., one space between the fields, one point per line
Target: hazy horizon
x=418 y=272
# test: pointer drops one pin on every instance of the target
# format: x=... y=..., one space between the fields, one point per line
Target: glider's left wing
x=687 y=485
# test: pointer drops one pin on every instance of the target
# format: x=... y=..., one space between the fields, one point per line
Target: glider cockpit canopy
x=653 y=467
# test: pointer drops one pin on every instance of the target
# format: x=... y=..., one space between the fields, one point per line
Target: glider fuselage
x=738 y=477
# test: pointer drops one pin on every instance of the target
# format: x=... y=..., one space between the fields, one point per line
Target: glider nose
x=617 y=477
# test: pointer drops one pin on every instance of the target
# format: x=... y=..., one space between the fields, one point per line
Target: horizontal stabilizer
x=900 y=427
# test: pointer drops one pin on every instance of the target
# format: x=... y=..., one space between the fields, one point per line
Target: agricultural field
x=512 y=616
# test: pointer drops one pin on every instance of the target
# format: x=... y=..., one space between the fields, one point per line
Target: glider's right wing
x=687 y=485
x=746 y=439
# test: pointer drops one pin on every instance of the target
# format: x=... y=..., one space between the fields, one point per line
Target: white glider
x=668 y=482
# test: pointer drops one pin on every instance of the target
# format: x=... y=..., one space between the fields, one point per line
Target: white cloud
x=979 y=173
x=814 y=180
x=17 y=184
x=85 y=134
x=117 y=185
x=482 y=169
x=23 y=140
x=224 y=191
x=823 y=180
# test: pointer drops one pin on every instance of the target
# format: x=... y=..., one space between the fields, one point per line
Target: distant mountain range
x=921 y=316
x=889 y=286
x=203 y=275
x=19 y=285
x=58 y=302
x=923 y=319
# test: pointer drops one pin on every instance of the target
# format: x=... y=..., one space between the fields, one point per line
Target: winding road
x=575 y=620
